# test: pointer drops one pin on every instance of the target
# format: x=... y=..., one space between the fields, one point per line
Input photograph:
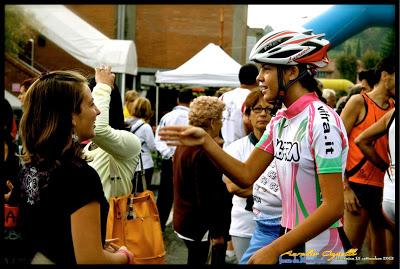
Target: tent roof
x=212 y=66
x=80 y=39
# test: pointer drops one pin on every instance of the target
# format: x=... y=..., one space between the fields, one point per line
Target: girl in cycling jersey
x=309 y=144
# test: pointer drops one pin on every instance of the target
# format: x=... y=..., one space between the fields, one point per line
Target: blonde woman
x=141 y=113
x=201 y=200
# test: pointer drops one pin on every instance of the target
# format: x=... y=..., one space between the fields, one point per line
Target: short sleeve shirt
x=49 y=200
x=307 y=139
x=232 y=124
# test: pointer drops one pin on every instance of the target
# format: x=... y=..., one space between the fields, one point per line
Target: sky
x=283 y=16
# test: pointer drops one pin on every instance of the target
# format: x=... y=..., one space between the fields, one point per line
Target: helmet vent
x=275 y=49
x=312 y=44
x=285 y=54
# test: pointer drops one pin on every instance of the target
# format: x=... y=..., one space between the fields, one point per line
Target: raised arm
x=119 y=143
x=242 y=174
x=365 y=140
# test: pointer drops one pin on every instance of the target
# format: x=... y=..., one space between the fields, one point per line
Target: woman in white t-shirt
x=141 y=113
x=246 y=227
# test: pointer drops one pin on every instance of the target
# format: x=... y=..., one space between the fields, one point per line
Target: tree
x=370 y=59
x=347 y=66
x=16 y=31
x=348 y=50
x=388 y=44
x=358 y=50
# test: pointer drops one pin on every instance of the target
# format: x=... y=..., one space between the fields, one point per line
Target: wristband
x=127 y=254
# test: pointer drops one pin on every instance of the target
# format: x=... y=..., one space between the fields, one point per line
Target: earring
x=75 y=138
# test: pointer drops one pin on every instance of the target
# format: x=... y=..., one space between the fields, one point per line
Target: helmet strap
x=282 y=92
x=283 y=88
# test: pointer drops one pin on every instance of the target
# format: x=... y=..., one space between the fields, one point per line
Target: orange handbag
x=10 y=216
x=134 y=220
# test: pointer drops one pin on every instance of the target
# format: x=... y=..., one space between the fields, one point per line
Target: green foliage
x=388 y=44
x=157 y=159
x=379 y=39
x=348 y=51
x=370 y=59
x=358 y=50
x=16 y=31
x=347 y=66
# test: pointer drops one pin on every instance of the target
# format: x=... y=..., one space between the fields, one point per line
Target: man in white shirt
x=178 y=116
x=232 y=125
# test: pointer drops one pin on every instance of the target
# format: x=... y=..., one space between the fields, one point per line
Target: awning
x=80 y=39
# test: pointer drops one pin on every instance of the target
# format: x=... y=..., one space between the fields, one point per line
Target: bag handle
x=141 y=166
x=141 y=175
x=113 y=176
x=137 y=128
x=110 y=219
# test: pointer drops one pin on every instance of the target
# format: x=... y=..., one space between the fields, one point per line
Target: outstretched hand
x=183 y=135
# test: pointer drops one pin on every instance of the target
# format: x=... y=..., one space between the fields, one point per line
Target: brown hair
x=28 y=82
x=141 y=108
x=251 y=100
x=46 y=124
x=131 y=95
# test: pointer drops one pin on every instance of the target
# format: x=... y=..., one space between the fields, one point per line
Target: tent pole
x=157 y=101
x=123 y=87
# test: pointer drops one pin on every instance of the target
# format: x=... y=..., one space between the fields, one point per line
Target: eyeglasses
x=259 y=109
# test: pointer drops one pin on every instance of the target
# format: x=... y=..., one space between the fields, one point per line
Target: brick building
x=165 y=35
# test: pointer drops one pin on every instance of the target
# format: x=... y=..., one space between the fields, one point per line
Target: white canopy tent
x=211 y=66
x=14 y=101
x=81 y=40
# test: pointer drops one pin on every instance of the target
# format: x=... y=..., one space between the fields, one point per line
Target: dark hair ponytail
x=386 y=64
x=309 y=82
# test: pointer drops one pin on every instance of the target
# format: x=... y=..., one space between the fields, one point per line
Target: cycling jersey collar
x=300 y=104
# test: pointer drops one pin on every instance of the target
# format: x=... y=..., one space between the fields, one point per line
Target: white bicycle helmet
x=291 y=48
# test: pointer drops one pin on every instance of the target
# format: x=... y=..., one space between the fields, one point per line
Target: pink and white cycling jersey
x=306 y=139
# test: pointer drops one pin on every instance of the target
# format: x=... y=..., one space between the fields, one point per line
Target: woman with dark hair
x=307 y=141
x=363 y=184
x=256 y=211
x=113 y=151
x=365 y=141
x=63 y=208
x=9 y=168
x=24 y=88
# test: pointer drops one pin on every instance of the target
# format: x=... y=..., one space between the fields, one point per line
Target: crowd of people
x=277 y=170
